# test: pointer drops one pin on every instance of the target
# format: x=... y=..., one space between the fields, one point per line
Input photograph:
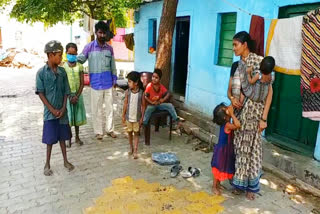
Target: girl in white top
x=133 y=110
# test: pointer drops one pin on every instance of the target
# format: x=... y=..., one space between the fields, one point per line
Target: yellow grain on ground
x=128 y=196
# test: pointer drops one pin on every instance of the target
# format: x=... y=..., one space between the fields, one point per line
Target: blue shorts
x=53 y=132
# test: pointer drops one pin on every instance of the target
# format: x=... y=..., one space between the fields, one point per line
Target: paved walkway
x=24 y=188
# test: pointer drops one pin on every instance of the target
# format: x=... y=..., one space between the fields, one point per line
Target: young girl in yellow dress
x=75 y=104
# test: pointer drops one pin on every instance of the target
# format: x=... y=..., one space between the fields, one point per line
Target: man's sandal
x=112 y=134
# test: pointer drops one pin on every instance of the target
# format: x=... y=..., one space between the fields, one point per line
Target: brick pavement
x=24 y=188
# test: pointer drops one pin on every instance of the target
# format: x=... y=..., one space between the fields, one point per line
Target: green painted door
x=287 y=127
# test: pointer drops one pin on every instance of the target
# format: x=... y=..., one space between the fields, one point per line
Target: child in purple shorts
x=53 y=89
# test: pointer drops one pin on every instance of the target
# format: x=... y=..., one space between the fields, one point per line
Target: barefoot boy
x=53 y=89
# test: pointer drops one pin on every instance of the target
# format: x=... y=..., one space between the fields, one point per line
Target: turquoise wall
x=207 y=82
x=145 y=61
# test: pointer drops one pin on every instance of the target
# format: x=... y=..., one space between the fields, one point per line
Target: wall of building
x=204 y=75
x=145 y=61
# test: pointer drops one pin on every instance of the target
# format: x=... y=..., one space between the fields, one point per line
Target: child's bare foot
x=69 y=166
x=130 y=152
x=78 y=141
x=216 y=191
x=135 y=155
x=250 y=196
x=47 y=171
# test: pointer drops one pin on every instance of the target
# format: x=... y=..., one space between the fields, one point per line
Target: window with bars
x=227 y=31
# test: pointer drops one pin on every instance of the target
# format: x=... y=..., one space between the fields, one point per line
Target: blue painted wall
x=145 y=61
x=207 y=82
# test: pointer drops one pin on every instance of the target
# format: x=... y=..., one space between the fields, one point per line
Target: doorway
x=181 y=55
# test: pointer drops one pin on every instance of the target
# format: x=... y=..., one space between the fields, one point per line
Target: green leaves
x=51 y=12
x=4 y=3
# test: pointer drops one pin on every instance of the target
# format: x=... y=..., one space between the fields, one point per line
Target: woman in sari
x=253 y=118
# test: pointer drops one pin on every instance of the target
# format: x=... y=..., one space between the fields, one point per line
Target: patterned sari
x=247 y=140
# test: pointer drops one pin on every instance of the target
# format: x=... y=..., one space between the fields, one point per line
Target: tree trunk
x=164 y=46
